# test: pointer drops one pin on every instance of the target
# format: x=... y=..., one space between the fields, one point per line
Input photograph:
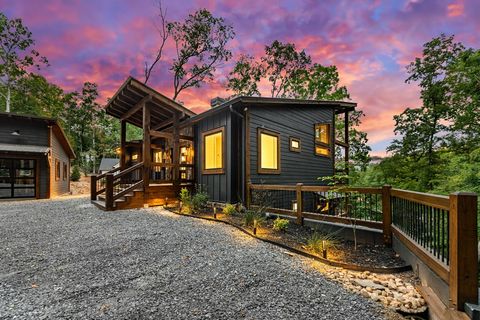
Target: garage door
x=17 y=178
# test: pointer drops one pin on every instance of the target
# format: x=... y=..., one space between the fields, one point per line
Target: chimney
x=215 y=102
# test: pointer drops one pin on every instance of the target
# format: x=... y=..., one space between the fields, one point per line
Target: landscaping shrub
x=316 y=241
x=229 y=209
x=280 y=224
x=199 y=200
x=75 y=175
x=251 y=217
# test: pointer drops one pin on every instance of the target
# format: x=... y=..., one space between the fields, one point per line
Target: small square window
x=295 y=145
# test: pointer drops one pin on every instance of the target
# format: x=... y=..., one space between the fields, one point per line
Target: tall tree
x=282 y=64
x=16 y=55
x=422 y=128
x=201 y=46
x=244 y=78
x=463 y=78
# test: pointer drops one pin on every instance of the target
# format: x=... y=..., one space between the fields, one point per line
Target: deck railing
x=441 y=231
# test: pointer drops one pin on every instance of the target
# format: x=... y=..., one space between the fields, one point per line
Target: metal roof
x=107 y=164
x=5 y=147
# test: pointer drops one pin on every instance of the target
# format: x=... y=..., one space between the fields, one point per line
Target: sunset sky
x=370 y=42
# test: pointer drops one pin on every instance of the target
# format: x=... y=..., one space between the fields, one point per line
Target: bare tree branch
x=162 y=31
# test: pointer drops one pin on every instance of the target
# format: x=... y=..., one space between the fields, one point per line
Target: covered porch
x=152 y=170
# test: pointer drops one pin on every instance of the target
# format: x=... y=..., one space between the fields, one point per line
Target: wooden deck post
x=176 y=154
x=123 y=137
x=387 y=215
x=146 y=150
x=463 y=249
x=299 y=204
x=93 y=187
x=248 y=195
x=109 y=191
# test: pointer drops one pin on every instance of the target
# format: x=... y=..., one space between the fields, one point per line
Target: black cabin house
x=237 y=142
x=35 y=157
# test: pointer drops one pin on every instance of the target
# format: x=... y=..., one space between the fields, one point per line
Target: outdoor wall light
x=15 y=133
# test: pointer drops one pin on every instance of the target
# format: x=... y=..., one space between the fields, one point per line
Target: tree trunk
x=9 y=93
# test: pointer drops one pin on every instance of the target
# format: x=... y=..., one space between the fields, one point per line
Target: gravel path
x=67 y=259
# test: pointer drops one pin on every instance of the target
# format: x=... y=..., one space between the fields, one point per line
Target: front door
x=17 y=178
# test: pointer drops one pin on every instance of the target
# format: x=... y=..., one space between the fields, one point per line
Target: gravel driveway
x=66 y=259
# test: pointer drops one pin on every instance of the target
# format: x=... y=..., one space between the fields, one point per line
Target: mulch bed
x=296 y=236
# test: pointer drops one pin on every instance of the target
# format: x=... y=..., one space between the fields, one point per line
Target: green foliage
x=319 y=241
x=16 y=55
x=186 y=199
x=229 y=209
x=244 y=78
x=253 y=218
x=280 y=224
x=75 y=175
x=199 y=201
x=201 y=42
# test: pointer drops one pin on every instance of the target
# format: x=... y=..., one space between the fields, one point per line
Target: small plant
x=186 y=199
x=280 y=224
x=199 y=200
x=253 y=219
x=229 y=209
x=317 y=242
x=75 y=175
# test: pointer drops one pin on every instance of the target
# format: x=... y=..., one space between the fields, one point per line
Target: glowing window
x=322 y=139
x=322 y=151
x=322 y=133
x=213 y=151
x=269 y=152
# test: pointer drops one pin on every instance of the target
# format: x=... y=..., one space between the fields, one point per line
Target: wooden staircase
x=117 y=189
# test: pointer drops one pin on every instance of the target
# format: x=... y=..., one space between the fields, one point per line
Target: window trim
x=260 y=170
x=57 y=165
x=65 y=171
x=316 y=143
x=292 y=149
x=203 y=146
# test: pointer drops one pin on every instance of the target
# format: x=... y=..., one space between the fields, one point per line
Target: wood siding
x=218 y=186
x=291 y=121
x=59 y=186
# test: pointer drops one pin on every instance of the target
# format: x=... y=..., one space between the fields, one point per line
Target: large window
x=322 y=139
x=268 y=152
x=213 y=143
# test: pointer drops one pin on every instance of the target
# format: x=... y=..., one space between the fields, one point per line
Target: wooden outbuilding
x=35 y=157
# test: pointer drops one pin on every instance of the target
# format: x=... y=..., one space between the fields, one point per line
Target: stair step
x=99 y=204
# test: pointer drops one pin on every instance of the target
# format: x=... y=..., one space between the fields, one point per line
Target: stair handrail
x=128 y=170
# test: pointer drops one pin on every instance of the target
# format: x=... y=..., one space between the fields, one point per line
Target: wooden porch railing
x=441 y=231
x=115 y=184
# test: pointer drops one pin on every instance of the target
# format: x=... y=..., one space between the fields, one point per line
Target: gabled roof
x=132 y=93
x=58 y=131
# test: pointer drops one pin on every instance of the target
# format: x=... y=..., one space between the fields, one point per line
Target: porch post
x=176 y=153
x=347 y=143
x=146 y=149
x=123 y=136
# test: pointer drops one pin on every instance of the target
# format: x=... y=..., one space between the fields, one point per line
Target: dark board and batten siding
x=218 y=186
x=291 y=121
x=32 y=132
